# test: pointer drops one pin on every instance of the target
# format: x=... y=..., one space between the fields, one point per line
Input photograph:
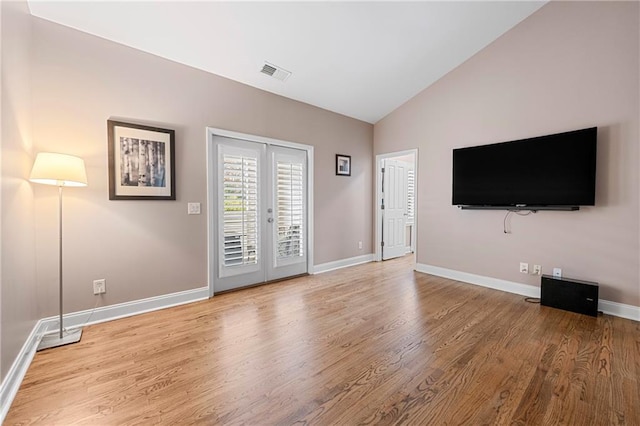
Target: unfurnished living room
x=324 y=213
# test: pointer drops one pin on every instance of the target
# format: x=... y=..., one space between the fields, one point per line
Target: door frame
x=378 y=202
x=211 y=132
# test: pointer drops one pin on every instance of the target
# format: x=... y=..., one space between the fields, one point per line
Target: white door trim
x=211 y=165
x=378 y=203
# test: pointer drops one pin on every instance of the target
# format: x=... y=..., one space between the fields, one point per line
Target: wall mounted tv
x=553 y=172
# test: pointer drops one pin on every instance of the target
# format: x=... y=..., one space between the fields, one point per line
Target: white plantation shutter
x=411 y=204
x=288 y=236
x=240 y=210
x=290 y=214
x=240 y=180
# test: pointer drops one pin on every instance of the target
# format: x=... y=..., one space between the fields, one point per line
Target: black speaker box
x=569 y=295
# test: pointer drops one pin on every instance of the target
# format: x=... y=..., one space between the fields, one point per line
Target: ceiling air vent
x=275 y=71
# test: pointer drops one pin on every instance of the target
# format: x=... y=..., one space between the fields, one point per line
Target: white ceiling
x=360 y=59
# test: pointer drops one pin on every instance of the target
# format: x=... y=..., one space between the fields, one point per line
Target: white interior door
x=394 y=213
x=260 y=212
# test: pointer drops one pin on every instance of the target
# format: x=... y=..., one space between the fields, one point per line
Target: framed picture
x=343 y=165
x=141 y=162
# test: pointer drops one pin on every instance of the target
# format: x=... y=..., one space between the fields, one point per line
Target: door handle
x=270 y=220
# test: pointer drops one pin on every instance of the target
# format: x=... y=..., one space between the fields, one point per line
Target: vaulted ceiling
x=360 y=59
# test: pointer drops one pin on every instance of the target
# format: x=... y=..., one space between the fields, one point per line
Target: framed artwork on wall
x=343 y=165
x=141 y=162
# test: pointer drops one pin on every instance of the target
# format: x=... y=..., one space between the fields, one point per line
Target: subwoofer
x=569 y=295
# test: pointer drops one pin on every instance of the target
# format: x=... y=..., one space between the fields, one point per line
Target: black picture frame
x=129 y=145
x=343 y=165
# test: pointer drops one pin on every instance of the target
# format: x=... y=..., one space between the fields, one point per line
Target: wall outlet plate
x=99 y=286
x=524 y=268
x=537 y=269
x=193 y=208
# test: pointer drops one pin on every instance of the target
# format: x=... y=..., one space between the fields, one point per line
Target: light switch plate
x=193 y=208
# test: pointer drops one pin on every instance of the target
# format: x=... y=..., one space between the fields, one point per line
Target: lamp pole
x=60 y=250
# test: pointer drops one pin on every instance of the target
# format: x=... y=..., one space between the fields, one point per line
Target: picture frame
x=343 y=165
x=141 y=162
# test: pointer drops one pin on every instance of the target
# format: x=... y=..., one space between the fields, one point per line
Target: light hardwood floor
x=372 y=344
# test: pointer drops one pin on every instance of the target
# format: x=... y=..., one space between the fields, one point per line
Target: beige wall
x=570 y=65
x=148 y=248
x=18 y=273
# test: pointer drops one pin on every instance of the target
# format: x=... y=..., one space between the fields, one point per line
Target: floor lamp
x=60 y=170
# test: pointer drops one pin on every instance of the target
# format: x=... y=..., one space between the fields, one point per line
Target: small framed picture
x=141 y=162
x=343 y=165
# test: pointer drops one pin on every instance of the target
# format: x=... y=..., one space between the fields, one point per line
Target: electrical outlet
x=360 y=245
x=537 y=269
x=524 y=268
x=193 y=208
x=99 y=286
x=557 y=272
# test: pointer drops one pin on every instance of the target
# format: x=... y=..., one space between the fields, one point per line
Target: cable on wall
x=73 y=327
x=506 y=223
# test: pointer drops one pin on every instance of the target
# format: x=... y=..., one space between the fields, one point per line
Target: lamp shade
x=58 y=169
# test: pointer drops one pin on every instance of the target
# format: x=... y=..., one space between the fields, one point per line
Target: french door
x=260 y=212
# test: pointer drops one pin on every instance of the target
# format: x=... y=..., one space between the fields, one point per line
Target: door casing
x=378 y=202
x=212 y=191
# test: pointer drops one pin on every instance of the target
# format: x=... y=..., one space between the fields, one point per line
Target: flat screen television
x=553 y=171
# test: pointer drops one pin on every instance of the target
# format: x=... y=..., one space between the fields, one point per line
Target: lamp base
x=54 y=340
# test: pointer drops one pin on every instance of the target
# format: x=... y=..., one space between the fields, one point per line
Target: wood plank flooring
x=372 y=344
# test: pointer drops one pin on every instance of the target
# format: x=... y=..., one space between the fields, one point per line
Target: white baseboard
x=342 y=263
x=612 y=308
x=127 y=309
x=494 y=283
x=619 y=309
x=14 y=377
